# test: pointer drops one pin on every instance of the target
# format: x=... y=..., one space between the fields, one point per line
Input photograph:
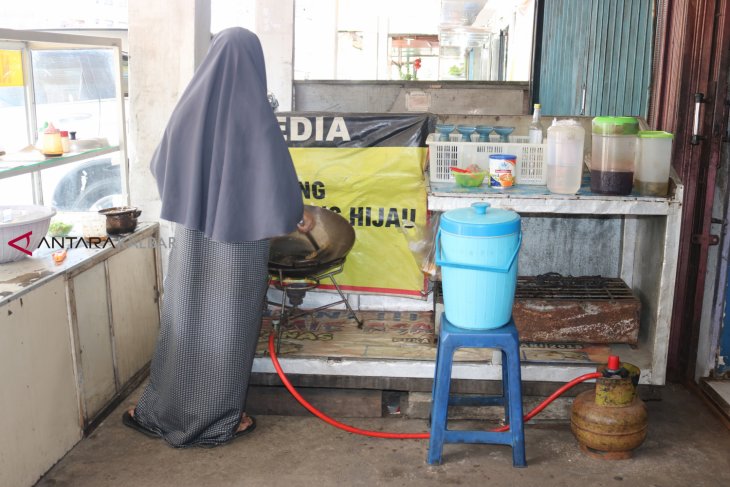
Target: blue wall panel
x=602 y=46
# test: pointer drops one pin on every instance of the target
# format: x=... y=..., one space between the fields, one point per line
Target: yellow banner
x=11 y=68
x=376 y=189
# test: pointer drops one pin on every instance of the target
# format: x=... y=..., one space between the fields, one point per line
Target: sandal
x=247 y=430
x=130 y=421
x=237 y=434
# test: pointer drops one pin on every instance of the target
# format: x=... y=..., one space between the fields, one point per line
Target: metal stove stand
x=295 y=289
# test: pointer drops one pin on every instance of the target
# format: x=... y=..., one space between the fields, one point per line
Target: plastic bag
x=422 y=243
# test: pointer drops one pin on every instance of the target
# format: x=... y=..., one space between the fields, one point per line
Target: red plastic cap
x=613 y=362
x=64 y=133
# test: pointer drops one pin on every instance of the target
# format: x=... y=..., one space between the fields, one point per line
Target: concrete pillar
x=275 y=29
x=167 y=40
x=316 y=39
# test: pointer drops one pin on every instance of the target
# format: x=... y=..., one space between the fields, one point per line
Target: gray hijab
x=223 y=167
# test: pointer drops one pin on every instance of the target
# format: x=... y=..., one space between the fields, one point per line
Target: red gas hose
x=404 y=436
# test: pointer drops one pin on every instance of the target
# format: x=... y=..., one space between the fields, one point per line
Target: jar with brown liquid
x=613 y=154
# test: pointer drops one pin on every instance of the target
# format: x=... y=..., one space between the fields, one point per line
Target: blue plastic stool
x=452 y=338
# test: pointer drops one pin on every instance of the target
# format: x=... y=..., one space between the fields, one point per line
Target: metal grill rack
x=557 y=286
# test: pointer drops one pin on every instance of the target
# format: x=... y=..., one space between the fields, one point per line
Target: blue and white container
x=477 y=249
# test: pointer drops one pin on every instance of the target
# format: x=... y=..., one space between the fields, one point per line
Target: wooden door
x=689 y=99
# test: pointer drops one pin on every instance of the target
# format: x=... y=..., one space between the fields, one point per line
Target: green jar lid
x=615 y=126
x=655 y=134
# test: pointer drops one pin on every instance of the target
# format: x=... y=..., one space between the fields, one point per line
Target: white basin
x=22 y=227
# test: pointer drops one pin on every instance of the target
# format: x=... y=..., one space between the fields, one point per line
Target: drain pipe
x=405 y=436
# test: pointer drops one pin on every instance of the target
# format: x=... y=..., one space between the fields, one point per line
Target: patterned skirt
x=211 y=319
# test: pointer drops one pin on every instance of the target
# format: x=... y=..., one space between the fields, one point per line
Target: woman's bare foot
x=245 y=423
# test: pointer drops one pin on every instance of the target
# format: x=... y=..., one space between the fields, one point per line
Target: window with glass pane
x=75 y=90
x=84 y=185
x=17 y=190
x=72 y=82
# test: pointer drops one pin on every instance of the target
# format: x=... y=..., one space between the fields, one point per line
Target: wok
x=295 y=256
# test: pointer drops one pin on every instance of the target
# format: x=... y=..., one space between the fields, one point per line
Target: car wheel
x=88 y=186
x=95 y=195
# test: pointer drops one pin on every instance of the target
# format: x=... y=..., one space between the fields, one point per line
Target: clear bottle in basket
x=535 y=131
x=564 y=161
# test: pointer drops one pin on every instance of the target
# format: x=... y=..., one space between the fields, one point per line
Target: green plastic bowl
x=469 y=180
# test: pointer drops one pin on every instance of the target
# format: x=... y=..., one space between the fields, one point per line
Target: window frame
x=27 y=41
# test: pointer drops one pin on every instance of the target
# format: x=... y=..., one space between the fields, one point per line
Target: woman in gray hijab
x=226 y=179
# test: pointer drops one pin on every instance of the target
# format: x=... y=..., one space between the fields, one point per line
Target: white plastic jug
x=653 y=161
x=565 y=140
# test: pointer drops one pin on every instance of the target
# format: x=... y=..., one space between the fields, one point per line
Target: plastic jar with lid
x=613 y=153
x=653 y=161
x=564 y=161
x=52 y=141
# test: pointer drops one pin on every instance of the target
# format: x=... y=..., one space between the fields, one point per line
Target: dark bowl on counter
x=120 y=219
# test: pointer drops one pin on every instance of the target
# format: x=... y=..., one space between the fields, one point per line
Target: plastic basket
x=443 y=155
